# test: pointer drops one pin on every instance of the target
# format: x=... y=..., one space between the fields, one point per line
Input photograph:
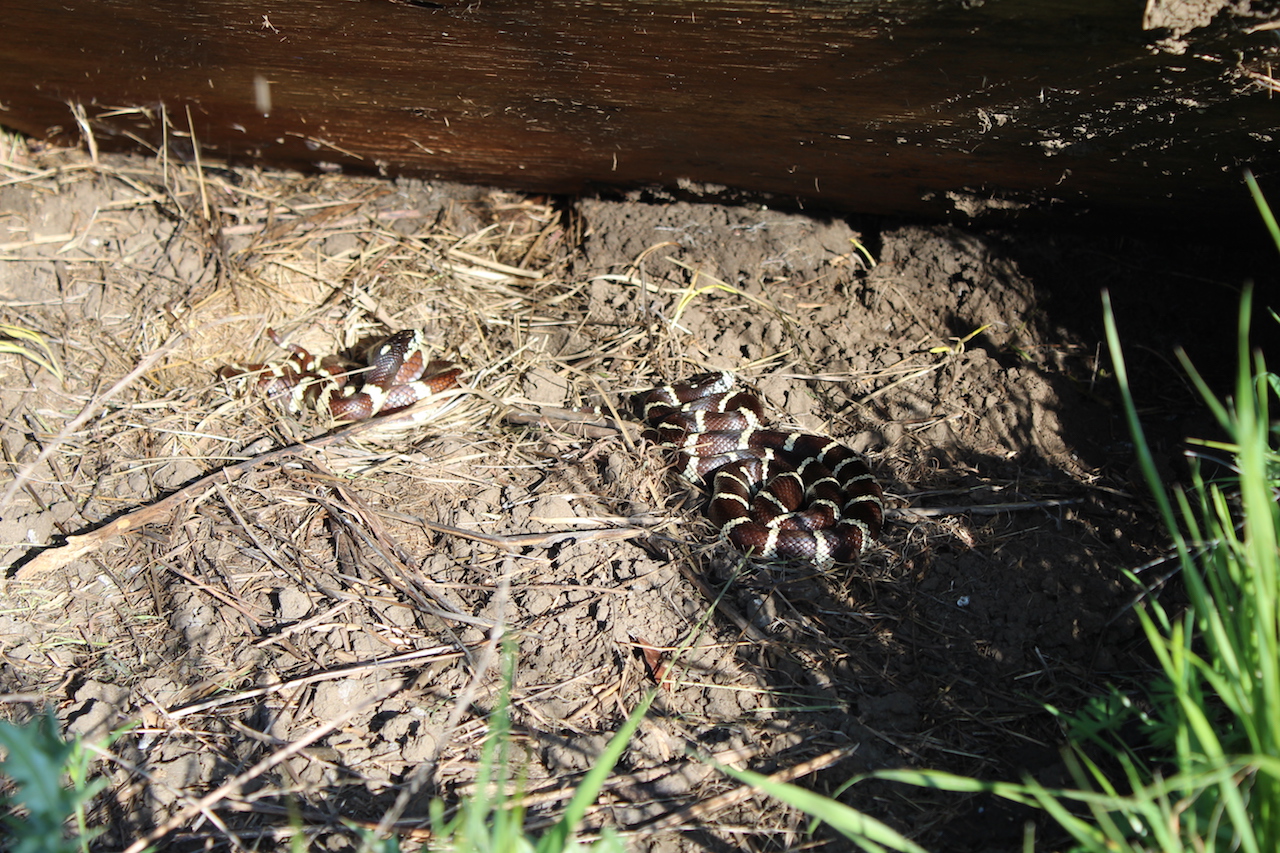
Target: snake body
x=394 y=374
x=775 y=494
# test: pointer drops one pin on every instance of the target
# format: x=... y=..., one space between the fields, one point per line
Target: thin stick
x=909 y=513
x=582 y=424
x=437 y=653
x=461 y=704
x=862 y=401
x=516 y=541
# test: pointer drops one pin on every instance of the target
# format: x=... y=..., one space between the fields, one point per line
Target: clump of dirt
x=313 y=627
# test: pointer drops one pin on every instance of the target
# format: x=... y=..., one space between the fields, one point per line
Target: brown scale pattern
x=775 y=494
x=395 y=375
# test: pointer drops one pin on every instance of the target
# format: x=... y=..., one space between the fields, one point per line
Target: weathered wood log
x=904 y=106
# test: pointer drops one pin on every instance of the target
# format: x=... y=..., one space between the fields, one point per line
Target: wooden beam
x=992 y=108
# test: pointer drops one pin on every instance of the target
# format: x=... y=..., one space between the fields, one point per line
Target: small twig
x=582 y=424
x=461 y=705
x=723 y=607
x=377 y=540
x=626 y=784
x=418 y=829
x=305 y=625
x=911 y=513
x=141 y=773
x=516 y=541
x=213 y=592
x=436 y=653
x=862 y=401
x=248 y=530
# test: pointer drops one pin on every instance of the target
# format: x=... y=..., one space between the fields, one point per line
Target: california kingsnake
x=775 y=494
x=395 y=374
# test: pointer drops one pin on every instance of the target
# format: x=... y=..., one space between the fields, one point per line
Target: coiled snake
x=394 y=375
x=775 y=494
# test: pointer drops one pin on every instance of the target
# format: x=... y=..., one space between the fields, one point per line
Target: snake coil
x=775 y=494
x=394 y=375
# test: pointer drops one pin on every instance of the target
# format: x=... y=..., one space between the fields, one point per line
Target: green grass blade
x=1264 y=209
x=557 y=838
x=1146 y=460
x=863 y=830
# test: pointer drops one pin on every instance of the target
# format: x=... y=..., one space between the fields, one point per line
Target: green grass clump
x=1200 y=770
x=36 y=761
x=1211 y=780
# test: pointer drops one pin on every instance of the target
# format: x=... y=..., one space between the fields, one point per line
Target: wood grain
x=993 y=108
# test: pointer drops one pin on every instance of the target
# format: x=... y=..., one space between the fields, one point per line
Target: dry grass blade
x=694 y=291
x=440 y=653
x=20 y=341
x=918 y=513
x=78 y=545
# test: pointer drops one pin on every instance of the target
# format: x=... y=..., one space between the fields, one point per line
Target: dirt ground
x=315 y=621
